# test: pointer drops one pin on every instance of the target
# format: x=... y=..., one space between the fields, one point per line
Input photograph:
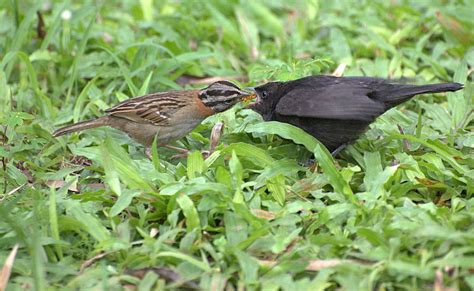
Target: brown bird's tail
x=101 y=121
x=400 y=94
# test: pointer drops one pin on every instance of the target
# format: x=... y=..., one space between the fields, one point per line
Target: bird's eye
x=264 y=94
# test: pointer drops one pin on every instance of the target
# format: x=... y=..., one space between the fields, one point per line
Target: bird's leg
x=338 y=149
x=311 y=163
x=177 y=149
x=306 y=159
x=181 y=153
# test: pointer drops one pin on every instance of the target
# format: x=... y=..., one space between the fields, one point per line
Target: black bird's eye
x=264 y=94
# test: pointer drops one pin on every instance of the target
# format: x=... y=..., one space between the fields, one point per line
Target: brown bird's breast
x=200 y=107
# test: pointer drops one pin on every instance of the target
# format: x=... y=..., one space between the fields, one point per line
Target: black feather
x=336 y=110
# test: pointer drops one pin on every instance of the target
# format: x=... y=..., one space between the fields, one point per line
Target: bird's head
x=267 y=99
x=222 y=95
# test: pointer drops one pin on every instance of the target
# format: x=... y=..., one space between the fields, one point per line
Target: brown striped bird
x=167 y=115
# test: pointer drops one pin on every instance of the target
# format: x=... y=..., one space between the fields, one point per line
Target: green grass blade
x=80 y=100
x=326 y=162
x=53 y=219
x=80 y=52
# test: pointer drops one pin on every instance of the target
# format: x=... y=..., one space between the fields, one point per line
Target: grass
x=394 y=211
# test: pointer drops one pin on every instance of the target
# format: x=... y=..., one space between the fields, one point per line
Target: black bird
x=335 y=110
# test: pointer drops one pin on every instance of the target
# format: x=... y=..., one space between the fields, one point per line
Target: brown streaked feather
x=154 y=108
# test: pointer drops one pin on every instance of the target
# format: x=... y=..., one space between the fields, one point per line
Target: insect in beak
x=249 y=94
x=252 y=94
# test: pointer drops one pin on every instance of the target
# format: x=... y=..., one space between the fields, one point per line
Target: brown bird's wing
x=336 y=101
x=154 y=108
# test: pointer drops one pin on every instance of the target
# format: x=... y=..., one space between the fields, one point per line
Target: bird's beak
x=249 y=94
x=254 y=96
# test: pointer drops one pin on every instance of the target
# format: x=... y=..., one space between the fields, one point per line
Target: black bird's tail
x=401 y=93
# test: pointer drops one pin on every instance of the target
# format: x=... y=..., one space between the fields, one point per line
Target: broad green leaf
x=201 y=265
x=89 y=223
x=236 y=228
x=276 y=186
x=376 y=177
x=284 y=240
x=326 y=162
x=288 y=168
x=250 y=152
x=195 y=164
x=189 y=211
x=195 y=186
x=285 y=130
x=372 y=236
x=223 y=176
x=249 y=266
x=123 y=202
x=127 y=170
x=148 y=281
x=237 y=172
x=111 y=175
x=16 y=174
x=212 y=158
x=322 y=280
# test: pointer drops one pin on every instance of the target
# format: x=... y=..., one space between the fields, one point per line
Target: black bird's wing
x=338 y=101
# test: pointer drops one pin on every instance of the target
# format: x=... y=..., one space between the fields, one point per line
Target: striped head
x=222 y=95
